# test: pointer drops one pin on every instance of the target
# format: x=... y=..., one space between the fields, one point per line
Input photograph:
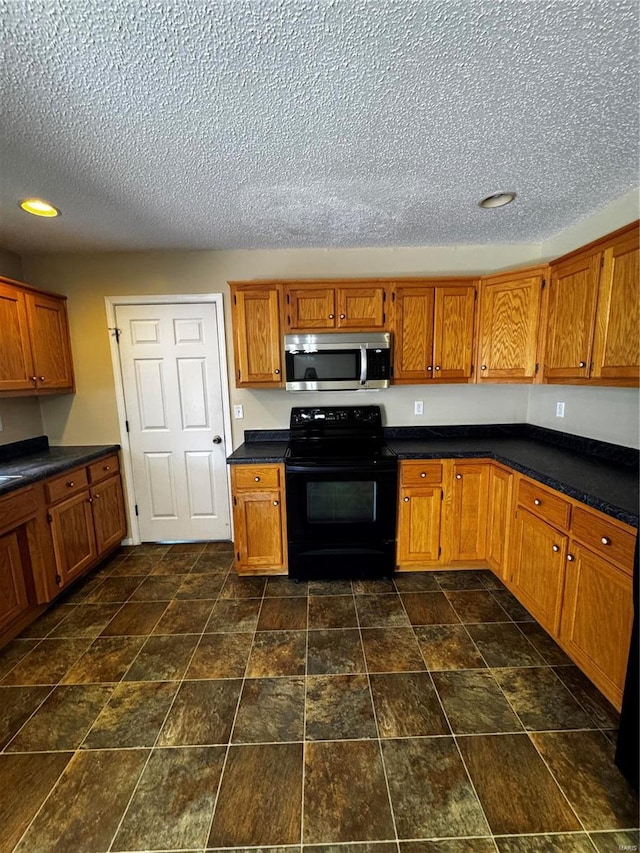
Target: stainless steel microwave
x=337 y=362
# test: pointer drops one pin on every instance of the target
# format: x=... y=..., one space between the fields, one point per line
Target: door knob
x=217 y=439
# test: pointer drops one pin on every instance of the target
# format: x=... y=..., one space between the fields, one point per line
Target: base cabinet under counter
x=51 y=533
x=259 y=519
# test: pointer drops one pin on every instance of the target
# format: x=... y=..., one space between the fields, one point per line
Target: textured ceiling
x=295 y=123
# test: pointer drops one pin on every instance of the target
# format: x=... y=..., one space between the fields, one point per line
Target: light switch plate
x=238 y=411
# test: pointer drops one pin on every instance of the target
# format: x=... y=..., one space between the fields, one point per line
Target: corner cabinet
x=35 y=351
x=509 y=326
x=259 y=519
x=593 y=306
x=255 y=314
x=434 y=326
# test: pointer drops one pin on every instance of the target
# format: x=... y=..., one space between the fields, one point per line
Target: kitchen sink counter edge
x=600 y=475
x=33 y=460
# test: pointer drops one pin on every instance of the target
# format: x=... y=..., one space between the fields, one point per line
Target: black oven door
x=341 y=520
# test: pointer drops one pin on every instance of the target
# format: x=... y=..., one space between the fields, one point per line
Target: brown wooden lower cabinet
x=53 y=532
x=499 y=519
x=419 y=527
x=259 y=519
x=468 y=514
x=13 y=594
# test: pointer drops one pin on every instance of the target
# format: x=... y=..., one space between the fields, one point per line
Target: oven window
x=316 y=366
x=331 y=502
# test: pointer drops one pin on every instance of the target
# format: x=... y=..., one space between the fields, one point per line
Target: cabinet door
x=413 y=346
x=468 y=528
x=597 y=615
x=537 y=573
x=453 y=332
x=16 y=367
x=256 y=321
x=13 y=594
x=499 y=520
x=258 y=531
x=573 y=290
x=311 y=308
x=361 y=307
x=509 y=327
x=50 y=342
x=419 y=527
x=108 y=514
x=74 y=543
x=616 y=346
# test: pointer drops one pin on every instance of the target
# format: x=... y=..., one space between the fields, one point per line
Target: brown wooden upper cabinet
x=312 y=305
x=255 y=313
x=434 y=331
x=592 y=314
x=509 y=326
x=35 y=352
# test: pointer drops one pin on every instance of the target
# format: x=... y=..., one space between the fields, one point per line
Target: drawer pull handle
x=106 y=467
x=275 y=503
x=537 y=502
x=70 y=484
x=257 y=479
x=555 y=548
x=458 y=476
x=406 y=500
x=605 y=540
x=423 y=473
x=570 y=558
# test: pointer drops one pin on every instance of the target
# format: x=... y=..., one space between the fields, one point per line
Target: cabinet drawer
x=545 y=504
x=103 y=468
x=17 y=506
x=254 y=476
x=66 y=485
x=419 y=473
x=604 y=537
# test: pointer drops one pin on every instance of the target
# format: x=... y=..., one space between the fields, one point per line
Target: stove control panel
x=354 y=416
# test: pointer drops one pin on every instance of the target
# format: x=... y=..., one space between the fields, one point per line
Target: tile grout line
x=304 y=720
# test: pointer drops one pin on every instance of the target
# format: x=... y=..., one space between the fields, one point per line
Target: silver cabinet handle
x=605 y=540
x=582 y=364
x=217 y=439
x=332 y=316
x=555 y=548
x=257 y=479
x=458 y=476
x=406 y=500
x=570 y=558
x=537 y=502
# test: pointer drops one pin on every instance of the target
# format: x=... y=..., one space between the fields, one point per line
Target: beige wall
x=90 y=416
x=10 y=265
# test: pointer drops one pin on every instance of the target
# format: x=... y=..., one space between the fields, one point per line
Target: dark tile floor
x=165 y=704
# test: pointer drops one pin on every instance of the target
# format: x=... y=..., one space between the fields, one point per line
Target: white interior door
x=172 y=385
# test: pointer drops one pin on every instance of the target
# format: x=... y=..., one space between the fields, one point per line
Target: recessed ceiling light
x=497 y=200
x=39 y=207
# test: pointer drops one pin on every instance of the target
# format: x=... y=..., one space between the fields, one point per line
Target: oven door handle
x=371 y=470
x=363 y=364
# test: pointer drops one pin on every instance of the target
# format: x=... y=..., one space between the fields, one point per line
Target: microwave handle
x=363 y=365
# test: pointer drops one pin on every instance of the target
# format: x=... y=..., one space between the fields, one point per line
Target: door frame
x=111 y=304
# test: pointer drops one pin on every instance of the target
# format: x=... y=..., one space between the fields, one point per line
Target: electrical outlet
x=418 y=407
x=559 y=410
x=238 y=411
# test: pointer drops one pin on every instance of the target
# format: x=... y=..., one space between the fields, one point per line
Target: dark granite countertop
x=34 y=460
x=601 y=475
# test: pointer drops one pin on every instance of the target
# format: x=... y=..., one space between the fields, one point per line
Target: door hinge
x=475 y=295
x=235 y=301
x=288 y=299
x=235 y=502
x=393 y=296
x=544 y=283
x=537 y=366
x=288 y=319
x=137 y=513
x=126 y=425
x=384 y=295
x=439 y=551
x=472 y=366
x=238 y=556
x=116 y=332
x=58 y=580
x=238 y=375
x=601 y=262
x=49 y=518
x=384 y=317
x=442 y=495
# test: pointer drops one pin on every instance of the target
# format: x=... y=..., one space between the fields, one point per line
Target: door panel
x=16 y=367
x=173 y=396
x=50 y=341
x=419 y=526
x=453 y=332
x=13 y=595
x=469 y=517
x=361 y=308
x=413 y=356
